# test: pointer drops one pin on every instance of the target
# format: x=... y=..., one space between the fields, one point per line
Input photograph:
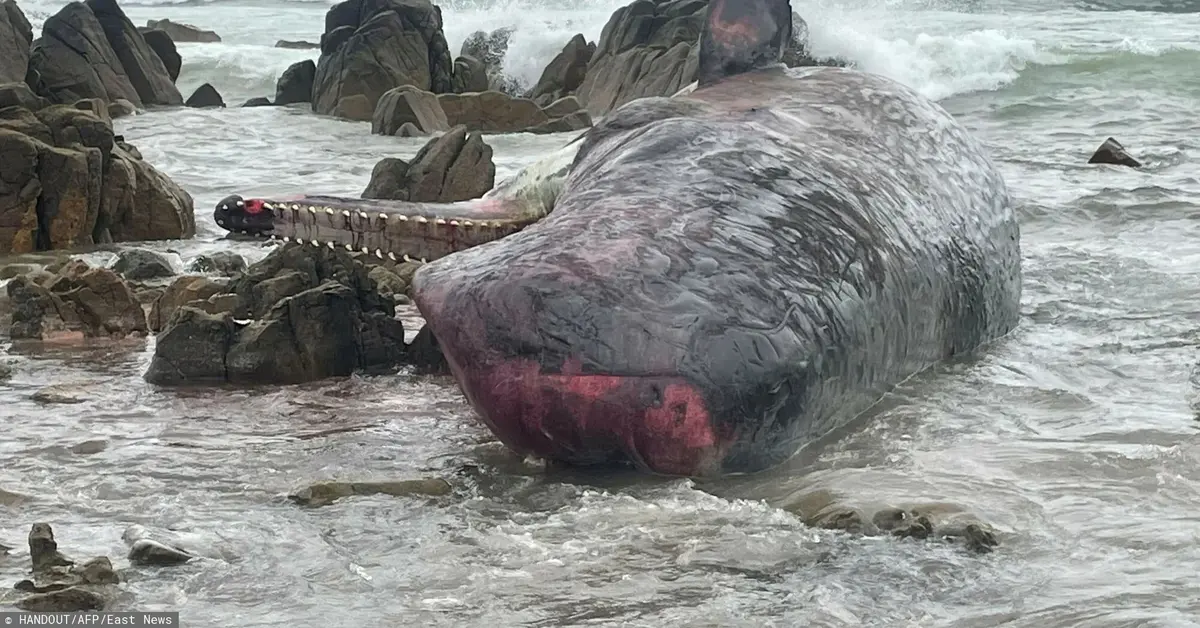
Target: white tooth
x=407 y=258
x=362 y=215
x=366 y=250
x=314 y=243
x=402 y=218
x=453 y=223
x=383 y=217
x=241 y=203
x=346 y=213
x=268 y=206
x=224 y=207
x=330 y=245
x=378 y=253
x=422 y=219
x=423 y=261
x=286 y=239
x=312 y=210
x=221 y=223
x=439 y=221
x=468 y=223
x=349 y=247
x=392 y=256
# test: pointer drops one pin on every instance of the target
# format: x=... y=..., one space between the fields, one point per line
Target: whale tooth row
x=346 y=213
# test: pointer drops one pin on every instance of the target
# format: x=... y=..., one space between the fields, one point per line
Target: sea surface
x=1074 y=437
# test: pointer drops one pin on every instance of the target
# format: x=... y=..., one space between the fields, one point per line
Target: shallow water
x=1073 y=436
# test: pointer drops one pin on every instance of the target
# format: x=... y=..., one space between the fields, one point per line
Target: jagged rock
x=325 y=493
x=296 y=83
x=205 y=96
x=454 y=167
x=58 y=395
x=565 y=73
x=563 y=107
x=492 y=112
x=193 y=291
x=58 y=583
x=470 y=75
x=120 y=108
x=425 y=355
x=797 y=53
x=95 y=106
x=572 y=122
x=372 y=46
x=490 y=49
x=1112 y=152
x=79 y=301
x=163 y=46
x=221 y=263
x=354 y=107
x=142 y=264
x=257 y=102
x=296 y=45
x=148 y=552
x=20 y=95
x=15 y=37
x=313 y=313
x=91 y=50
x=184 y=33
x=408 y=105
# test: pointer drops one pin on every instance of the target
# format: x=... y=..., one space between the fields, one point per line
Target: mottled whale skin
x=722 y=277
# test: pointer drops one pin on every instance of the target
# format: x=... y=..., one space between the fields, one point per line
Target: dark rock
x=258 y=102
x=573 y=122
x=188 y=290
x=58 y=395
x=492 y=112
x=20 y=95
x=355 y=107
x=313 y=313
x=15 y=37
x=490 y=50
x=184 y=33
x=1112 y=152
x=457 y=166
x=565 y=73
x=43 y=549
x=69 y=600
x=408 y=105
x=296 y=45
x=163 y=46
x=142 y=264
x=78 y=302
x=142 y=65
x=325 y=493
x=120 y=108
x=296 y=83
x=221 y=262
x=150 y=553
x=470 y=75
x=372 y=46
x=425 y=355
x=205 y=96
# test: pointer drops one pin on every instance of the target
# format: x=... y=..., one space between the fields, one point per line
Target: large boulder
x=91 y=50
x=205 y=96
x=162 y=45
x=489 y=49
x=296 y=83
x=15 y=36
x=78 y=302
x=372 y=46
x=470 y=75
x=66 y=181
x=312 y=313
x=565 y=73
x=183 y=33
x=408 y=105
x=407 y=111
x=457 y=166
x=492 y=112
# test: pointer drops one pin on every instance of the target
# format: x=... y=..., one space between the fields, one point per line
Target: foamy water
x=1073 y=437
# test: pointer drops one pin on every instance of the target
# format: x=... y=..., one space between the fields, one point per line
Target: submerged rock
x=58 y=583
x=325 y=493
x=1112 y=152
x=296 y=83
x=77 y=302
x=932 y=521
x=58 y=394
x=185 y=33
x=142 y=264
x=221 y=263
x=205 y=96
x=148 y=552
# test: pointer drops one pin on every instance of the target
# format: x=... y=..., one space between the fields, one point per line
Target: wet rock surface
x=221 y=263
x=193 y=291
x=74 y=183
x=59 y=584
x=299 y=315
x=372 y=46
x=205 y=96
x=1114 y=153
x=565 y=73
x=407 y=111
x=407 y=105
x=457 y=166
x=185 y=33
x=142 y=264
x=163 y=46
x=295 y=85
x=325 y=493
x=489 y=50
x=79 y=301
x=15 y=36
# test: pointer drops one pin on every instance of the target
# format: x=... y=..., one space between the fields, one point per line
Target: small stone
x=89 y=447
x=325 y=493
x=98 y=570
x=58 y=395
x=258 y=101
x=73 y=599
x=150 y=553
x=142 y=264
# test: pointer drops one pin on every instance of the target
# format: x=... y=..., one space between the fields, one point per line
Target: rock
x=573 y=122
x=797 y=54
x=1112 y=152
x=325 y=493
x=69 y=182
x=184 y=33
x=313 y=313
x=12 y=270
x=73 y=599
x=258 y=102
x=205 y=96
x=565 y=73
x=355 y=107
x=425 y=355
x=43 y=549
x=490 y=50
x=79 y=301
x=89 y=447
x=183 y=291
x=20 y=94
x=470 y=75
x=408 y=129
x=457 y=166
x=120 y=108
x=5 y=374
x=492 y=112
x=372 y=46
x=222 y=263
x=147 y=552
x=408 y=105
x=15 y=37
x=296 y=83
x=387 y=282
x=142 y=264
x=58 y=395
x=564 y=106
x=11 y=500
x=297 y=45
x=163 y=46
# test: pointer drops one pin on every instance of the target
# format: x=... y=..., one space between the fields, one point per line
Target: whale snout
x=239 y=215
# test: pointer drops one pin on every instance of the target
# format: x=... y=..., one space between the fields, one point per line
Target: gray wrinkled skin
x=793 y=243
